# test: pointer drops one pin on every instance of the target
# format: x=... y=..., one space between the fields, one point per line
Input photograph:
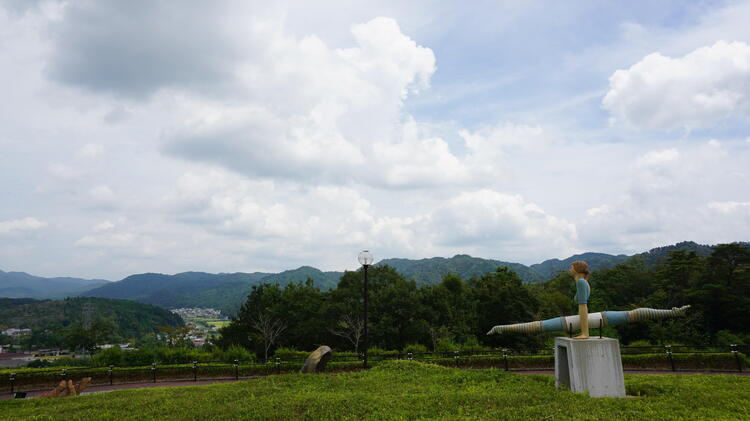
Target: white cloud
x=656 y=158
x=730 y=207
x=309 y=132
x=91 y=150
x=328 y=114
x=486 y=219
x=673 y=195
x=694 y=91
x=14 y=226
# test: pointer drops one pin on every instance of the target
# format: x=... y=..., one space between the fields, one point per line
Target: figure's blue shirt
x=582 y=291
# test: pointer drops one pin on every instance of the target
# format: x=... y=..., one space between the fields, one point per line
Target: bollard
x=153 y=371
x=278 y=366
x=505 y=358
x=110 y=374
x=668 y=349
x=195 y=371
x=570 y=330
x=12 y=382
x=410 y=356
x=600 y=328
x=455 y=357
x=64 y=374
x=236 y=370
x=733 y=348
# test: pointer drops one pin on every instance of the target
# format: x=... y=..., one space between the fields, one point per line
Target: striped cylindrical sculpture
x=607 y=318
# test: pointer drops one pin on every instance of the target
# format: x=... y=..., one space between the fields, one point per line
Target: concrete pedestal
x=590 y=365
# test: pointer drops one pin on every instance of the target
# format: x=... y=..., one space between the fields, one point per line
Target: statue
x=67 y=388
x=580 y=272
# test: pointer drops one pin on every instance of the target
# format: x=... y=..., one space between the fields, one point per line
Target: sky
x=242 y=136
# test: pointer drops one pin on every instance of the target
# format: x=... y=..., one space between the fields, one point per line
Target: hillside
x=323 y=280
x=24 y=285
x=224 y=291
x=548 y=268
x=656 y=255
x=432 y=270
x=227 y=291
x=128 y=318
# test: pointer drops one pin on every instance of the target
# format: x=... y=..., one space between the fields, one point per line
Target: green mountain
x=23 y=285
x=549 y=268
x=187 y=289
x=323 y=280
x=227 y=291
x=656 y=255
x=432 y=270
x=129 y=319
x=224 y=291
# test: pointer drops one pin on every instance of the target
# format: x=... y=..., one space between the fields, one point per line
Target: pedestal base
x=590 y=365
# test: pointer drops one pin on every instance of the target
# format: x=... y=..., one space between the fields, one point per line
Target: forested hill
x=49 y=319
x=596 y=261
x=224 y=291
x=227 y=291
x=431 y=271
x=23 y=285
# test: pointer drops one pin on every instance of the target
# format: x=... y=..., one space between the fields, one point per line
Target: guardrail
x=731 y=358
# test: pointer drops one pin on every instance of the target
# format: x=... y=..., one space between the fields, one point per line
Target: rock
x=316 y=362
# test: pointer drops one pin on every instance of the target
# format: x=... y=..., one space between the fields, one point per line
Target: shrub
x=290 y=354
x=446 y=345
x=234 y=352
x=110 y=356
x=414 y=349
x=472 y=344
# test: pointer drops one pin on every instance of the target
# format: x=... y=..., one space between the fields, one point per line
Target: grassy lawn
x=405 y=390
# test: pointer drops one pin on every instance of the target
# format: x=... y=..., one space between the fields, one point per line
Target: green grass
x=405 y=390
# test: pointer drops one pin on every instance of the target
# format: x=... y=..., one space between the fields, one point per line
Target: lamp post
x=365 y=259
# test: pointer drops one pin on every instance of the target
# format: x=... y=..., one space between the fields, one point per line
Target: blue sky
x=238 y=136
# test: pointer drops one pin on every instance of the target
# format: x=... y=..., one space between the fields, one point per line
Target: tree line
x=459 y=312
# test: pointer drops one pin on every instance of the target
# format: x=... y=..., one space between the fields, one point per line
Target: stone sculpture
x=67 y=388
x=316 y=362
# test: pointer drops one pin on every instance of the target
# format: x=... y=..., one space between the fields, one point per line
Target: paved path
x=107 y=388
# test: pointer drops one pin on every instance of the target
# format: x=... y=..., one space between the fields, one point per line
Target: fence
x=731 y=358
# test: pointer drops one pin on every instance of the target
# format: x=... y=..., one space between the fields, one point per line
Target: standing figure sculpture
x=583 y=319
x=580 y=272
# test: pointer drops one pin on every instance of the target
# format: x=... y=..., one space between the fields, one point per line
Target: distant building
x=14 y=333
x=12 y=360
x=206 y=313
x=125 y=346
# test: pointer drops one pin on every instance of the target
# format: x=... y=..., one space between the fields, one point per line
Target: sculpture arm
x=607 y=318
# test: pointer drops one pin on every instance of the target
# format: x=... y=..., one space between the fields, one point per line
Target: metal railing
x=730 y=358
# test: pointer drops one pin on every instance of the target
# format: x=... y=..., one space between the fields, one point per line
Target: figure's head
x=579 y=267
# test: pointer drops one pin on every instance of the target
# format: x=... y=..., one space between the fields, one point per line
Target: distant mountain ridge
x=227 y=291
x=24 y=285
x=223 y=291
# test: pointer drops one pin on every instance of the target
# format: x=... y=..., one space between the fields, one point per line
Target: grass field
x=406 y=390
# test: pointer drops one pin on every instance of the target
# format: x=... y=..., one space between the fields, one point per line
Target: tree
x=501 y=298
x=88 y=339
x=175 y=337
x=350 y=327
x=270 y=329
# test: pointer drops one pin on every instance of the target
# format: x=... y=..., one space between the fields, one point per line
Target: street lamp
x=365 y=259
